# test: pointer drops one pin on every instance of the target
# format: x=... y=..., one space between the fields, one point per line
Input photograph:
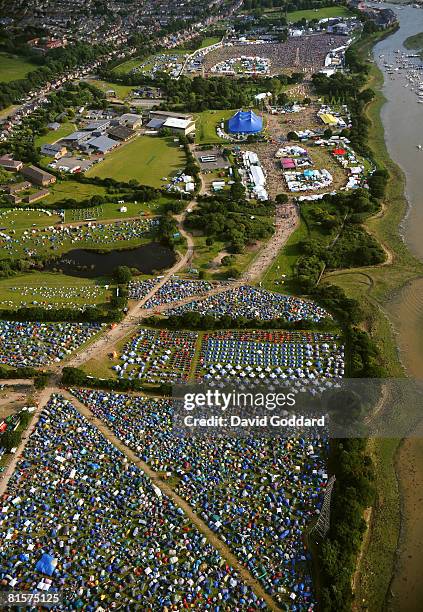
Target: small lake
x=88 y=263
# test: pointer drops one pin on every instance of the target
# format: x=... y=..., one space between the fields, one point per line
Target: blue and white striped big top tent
x=245 y=122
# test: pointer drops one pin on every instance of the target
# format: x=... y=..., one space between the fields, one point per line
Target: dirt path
x=167 y=490
x=287 y=221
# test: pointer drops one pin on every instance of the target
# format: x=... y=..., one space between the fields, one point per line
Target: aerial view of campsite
x=211 y=305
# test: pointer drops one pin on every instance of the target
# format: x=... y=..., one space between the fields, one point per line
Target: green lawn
x=323 y=13
x=64 y=130
x=209 y=40
x=147 y=159
x=122 y=91
x=127 y=66
x=45 y=287
x=21 y=219
x=414 y=42
x=285 y=263
x=72 y=189
x=13 y=67
x=111 y=210
x=206 y=125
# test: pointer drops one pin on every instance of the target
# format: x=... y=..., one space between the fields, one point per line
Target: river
x=402 y=118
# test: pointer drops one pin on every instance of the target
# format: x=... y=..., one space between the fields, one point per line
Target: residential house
x=8 y=163
x=38 y=176
x=17 y=187
x=54 y=150
x=38 y=195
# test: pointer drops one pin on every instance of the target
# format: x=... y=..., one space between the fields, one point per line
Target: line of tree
x=7 y=373
x=37 y=313
x=12 y=438
x=196 y=321
x=75 y=377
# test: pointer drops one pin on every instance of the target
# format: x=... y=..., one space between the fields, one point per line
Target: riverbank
x=377 y=289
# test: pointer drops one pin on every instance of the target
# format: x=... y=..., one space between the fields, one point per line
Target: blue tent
x=46 y=565
x=245 y=122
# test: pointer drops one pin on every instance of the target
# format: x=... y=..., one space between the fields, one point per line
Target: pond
x=88 y=263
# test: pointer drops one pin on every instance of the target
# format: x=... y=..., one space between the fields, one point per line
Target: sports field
x=147 y=159
x=13 y=67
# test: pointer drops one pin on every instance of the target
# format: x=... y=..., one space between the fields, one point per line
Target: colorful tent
x=46 y=565
x=245 y=122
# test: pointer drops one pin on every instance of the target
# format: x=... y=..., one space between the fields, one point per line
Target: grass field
x=64 y=130
x=206 y=125
x=127 y=66
x=122 y=91
x=323 y=13
x=146 y=159
x=111 y=210
x=209 y=40
x=50 y=287
x=72 y=189
x=21 y=220
x=13 y=67
x=414 y=42
x=7 y=111
x=148 y=61
x=285 y=263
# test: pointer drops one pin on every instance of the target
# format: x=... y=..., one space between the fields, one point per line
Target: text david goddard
x=274 y=420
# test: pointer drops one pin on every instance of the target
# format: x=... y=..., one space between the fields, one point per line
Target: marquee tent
x=245 y=122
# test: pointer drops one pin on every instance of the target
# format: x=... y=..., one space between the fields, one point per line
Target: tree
x=281 y=198
x=10 y=439
x=122 y=274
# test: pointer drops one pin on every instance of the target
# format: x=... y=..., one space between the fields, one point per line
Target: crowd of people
x=80 y=520
x=262 y=356
x=37 y=240
x=255 y=303
x=259 y=495
x=29 y=343
x=158 y=356
x=309 y=52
